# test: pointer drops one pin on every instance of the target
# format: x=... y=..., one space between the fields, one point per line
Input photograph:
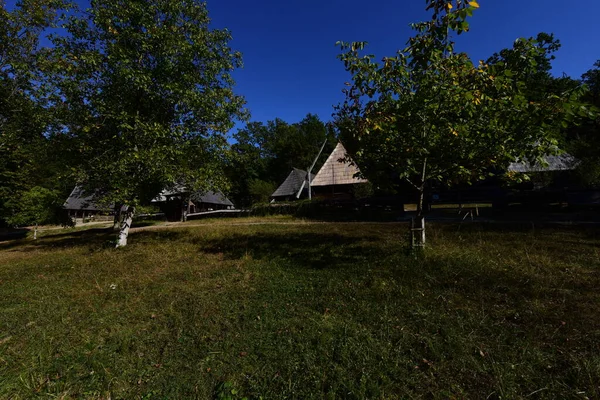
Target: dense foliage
x=26 y=153
x=264 y=155
x=584 y=139
x=429 y=114
x=147 y=96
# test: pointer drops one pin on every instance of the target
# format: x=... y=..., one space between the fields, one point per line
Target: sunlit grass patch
x=302 y=311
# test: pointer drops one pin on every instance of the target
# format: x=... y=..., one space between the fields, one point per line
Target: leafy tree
x=592 y=79
x=37 y=206
x=146 y=93
x=25 y=147
x=538 y=79
x=583 y=140
x=297 y=145
x=430 y=116
x=268 y=152
x=260 y=191
x=248 y=161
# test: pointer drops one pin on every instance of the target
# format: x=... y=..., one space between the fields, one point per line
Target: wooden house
x=549 y=183
x=175 y=203
x=82 y=204
x=336 y=178
x=179 y=202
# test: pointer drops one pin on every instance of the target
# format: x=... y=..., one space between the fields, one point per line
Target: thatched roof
x=563 y=162
x=82 y=200
x=292 y=183
x=336 y=172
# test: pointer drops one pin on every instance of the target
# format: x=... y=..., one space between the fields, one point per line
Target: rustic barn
x=336 y=178
x=82 y=204
x=179 y=202
x=562 y=162
x=296 y=181
x=550 y=181
x=547 y=184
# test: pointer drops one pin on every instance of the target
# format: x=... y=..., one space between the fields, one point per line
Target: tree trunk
x=35 y=232
x=125 y=225
x=419 y=225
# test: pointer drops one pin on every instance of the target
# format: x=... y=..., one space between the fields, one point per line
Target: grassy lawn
x=302 y=311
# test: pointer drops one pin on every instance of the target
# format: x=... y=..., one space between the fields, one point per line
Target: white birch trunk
x=125 y=225
x=420 y=220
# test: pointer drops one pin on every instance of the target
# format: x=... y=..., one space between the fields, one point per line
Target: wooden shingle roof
x=82 y=200
x=292 y=183
x=336 y=172
x=562 y=162
x=201 y=196
x=211 y=197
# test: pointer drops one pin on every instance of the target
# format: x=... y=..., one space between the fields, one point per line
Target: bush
x=260 y=191
x=38 y=206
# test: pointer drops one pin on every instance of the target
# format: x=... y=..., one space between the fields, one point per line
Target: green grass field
x=302 y=311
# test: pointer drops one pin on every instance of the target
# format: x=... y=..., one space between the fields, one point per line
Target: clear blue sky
x=290 y=65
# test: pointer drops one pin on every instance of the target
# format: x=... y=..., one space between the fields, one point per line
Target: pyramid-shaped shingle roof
x=336 y=172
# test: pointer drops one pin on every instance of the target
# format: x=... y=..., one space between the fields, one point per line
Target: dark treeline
x=264 y=154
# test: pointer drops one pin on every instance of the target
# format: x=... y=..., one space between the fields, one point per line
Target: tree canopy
x=146 y=95
x=583 y=140
x=26 y=152
x=429 y=114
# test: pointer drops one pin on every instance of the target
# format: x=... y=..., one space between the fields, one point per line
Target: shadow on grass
x=93 y=238
x=533 y=227
x=13 y=234
x=144 y=223
x=98 y=237
x=310 y=250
